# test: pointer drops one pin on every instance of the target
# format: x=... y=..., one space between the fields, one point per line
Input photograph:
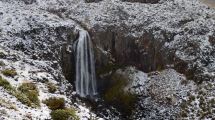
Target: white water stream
x=85 y=66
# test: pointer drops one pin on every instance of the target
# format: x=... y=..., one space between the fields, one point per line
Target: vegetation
x=6 y=104
x=28 y=94
x=64 y=114
x=5 y=84
x=9 y=72
x=117 y=96
x=22 y=98
x=59 y=112
x=55 y=103
x=51 y=87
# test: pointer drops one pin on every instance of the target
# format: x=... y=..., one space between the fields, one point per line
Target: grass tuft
x=9 y=72
x=64 y=114
x=55 y=103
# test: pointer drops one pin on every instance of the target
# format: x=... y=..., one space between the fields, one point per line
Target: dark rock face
x=89 y=1
x=145 y=52
x=142 y=1
x=68 y=62
x=29 y=1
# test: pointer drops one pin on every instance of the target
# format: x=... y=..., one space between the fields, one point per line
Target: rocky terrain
x=155 y=59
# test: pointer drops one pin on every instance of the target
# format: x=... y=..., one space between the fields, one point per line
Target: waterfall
x=85 y=66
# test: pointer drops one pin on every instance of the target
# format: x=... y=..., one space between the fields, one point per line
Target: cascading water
x=85 y=66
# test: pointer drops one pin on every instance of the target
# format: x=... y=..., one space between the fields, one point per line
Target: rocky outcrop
x=153 y=39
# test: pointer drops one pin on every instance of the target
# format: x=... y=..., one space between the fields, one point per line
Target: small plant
x=51 y=87
x=64 y=114
x=55 y=103
x=28 y=94
x=9 y=72
x=5 y=84
x=22 y=98
x=6 y=104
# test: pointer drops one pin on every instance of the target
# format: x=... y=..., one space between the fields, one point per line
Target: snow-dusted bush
x=51 y=87
x=29 y=92
x=64 y=114
x=5 y=84
x=9 y=72
x=55 y=103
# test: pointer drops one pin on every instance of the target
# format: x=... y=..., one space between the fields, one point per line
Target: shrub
x=9 y=72
x=51 y=87
x=28 y=94
x=22 y=98
x=117 y=96
x=64 y=114
x=26 y=87
x=5 y=84
x=55 y=103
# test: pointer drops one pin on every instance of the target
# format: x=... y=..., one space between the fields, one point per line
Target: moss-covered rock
x=55 y=103
x=64 y=114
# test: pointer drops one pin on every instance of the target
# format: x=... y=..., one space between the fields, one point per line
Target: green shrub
x=117 y=96
x=51 y=87
x=5 y=84
x=23 y=98
x=9 y=72
x=55 y=103
x=28 y=94
x=26 y=87
x=64 y=114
